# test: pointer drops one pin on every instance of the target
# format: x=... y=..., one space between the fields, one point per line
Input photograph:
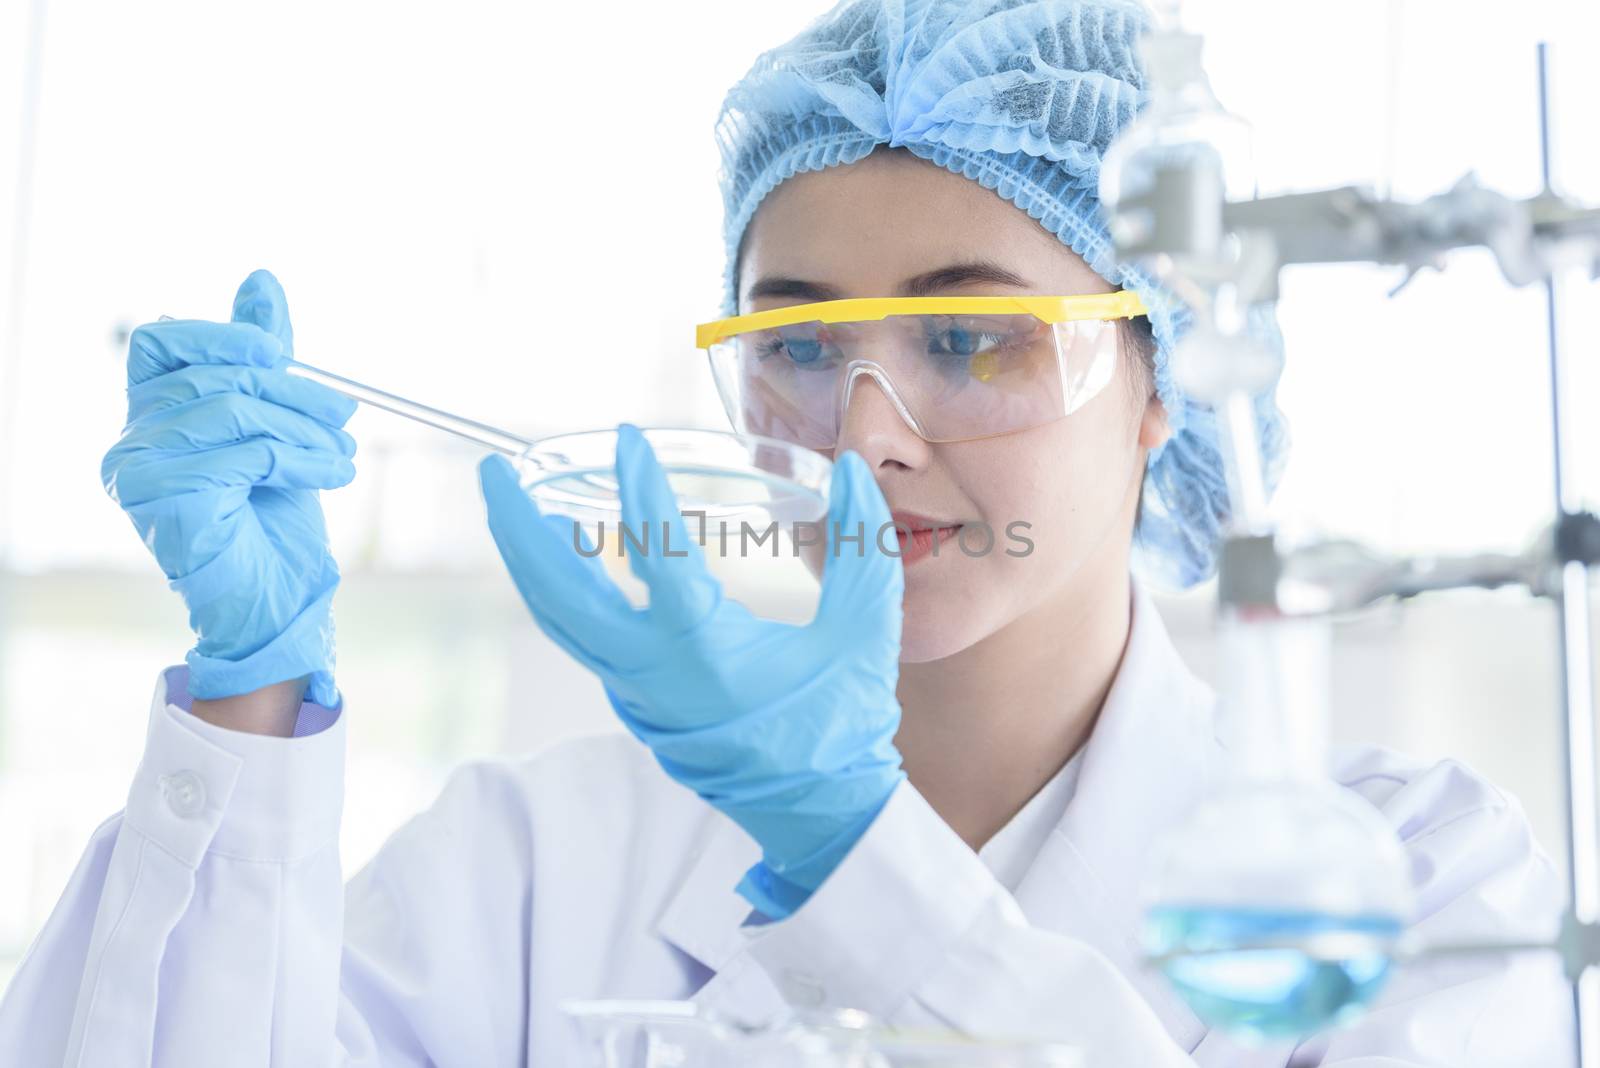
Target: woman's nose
x=873 y=426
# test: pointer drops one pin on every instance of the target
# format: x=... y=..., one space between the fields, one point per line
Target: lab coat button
x=185 y=793
x=803 y=989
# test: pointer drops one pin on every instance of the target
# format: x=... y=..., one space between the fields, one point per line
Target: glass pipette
x=474 y=431
x=481 y=433
x=573 y=472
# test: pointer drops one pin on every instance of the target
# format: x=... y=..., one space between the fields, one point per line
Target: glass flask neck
x=1273 y=704
x=1173 y=68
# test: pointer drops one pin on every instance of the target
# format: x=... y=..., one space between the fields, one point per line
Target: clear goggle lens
x=950 y=377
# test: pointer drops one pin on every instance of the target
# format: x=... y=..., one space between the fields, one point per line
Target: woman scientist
x=932 y=803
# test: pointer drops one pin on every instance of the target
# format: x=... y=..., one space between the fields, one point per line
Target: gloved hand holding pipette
x=789 y=730
x=219 y=467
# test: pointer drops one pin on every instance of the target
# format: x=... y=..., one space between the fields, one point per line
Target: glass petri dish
x=759 y=498
x=731 y=478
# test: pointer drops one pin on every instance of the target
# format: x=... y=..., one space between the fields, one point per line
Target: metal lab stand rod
x=1577 y=668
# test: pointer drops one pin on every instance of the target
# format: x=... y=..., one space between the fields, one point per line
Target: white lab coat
x=207 y=925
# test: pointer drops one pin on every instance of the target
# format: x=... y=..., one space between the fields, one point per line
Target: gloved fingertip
x=855 y=579
x=261 y=278
x=495 y=461
x=496 y=471
x=261 y=302
x=502 y=488
x=852 y=486
x=848 y=466
x=643 y=486
x=632 y=448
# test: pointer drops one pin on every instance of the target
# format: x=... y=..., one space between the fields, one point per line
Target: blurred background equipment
x=1277 y=907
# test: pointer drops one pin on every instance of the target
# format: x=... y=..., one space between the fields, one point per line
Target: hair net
x=1022 y=96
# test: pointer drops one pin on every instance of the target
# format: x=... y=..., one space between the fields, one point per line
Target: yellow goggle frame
x=1120 y=304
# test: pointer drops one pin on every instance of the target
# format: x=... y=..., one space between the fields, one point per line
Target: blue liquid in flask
x=1267 y=994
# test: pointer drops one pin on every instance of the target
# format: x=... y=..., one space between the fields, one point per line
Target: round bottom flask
x=1275 y=908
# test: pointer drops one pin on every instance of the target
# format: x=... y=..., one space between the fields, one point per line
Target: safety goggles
x=955 y=368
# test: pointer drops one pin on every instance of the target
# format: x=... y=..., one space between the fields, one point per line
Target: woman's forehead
x=876 y=227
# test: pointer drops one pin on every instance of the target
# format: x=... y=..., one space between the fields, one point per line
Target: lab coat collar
x=1149 y=759
x=704 y=915
x=704 y=920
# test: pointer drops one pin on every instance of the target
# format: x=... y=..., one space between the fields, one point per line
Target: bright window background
x=511 y=211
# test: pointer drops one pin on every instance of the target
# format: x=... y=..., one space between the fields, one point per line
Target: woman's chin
x=934 y=627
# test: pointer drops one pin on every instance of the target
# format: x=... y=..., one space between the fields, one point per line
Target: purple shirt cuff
x=313 y=718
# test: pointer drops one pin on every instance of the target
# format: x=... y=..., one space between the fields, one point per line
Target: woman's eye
x=806 y=350
x=797 y=350
x=960 y=342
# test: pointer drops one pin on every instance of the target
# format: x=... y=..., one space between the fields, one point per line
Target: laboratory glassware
x=722 y=475
x=653 y=1034
x=1165 y=177
x=670 y=1034
x=1276 y=908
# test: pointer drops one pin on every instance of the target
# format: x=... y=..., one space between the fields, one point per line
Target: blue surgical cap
x=1023 y=97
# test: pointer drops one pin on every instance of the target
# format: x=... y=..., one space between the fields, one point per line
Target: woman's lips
x=918 y=535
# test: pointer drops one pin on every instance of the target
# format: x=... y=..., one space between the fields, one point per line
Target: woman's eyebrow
x=955 y=275
x=950 y=276
x=773 y=286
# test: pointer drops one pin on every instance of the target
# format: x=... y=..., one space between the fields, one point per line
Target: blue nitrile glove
x=787 y=729
x=219 y=468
